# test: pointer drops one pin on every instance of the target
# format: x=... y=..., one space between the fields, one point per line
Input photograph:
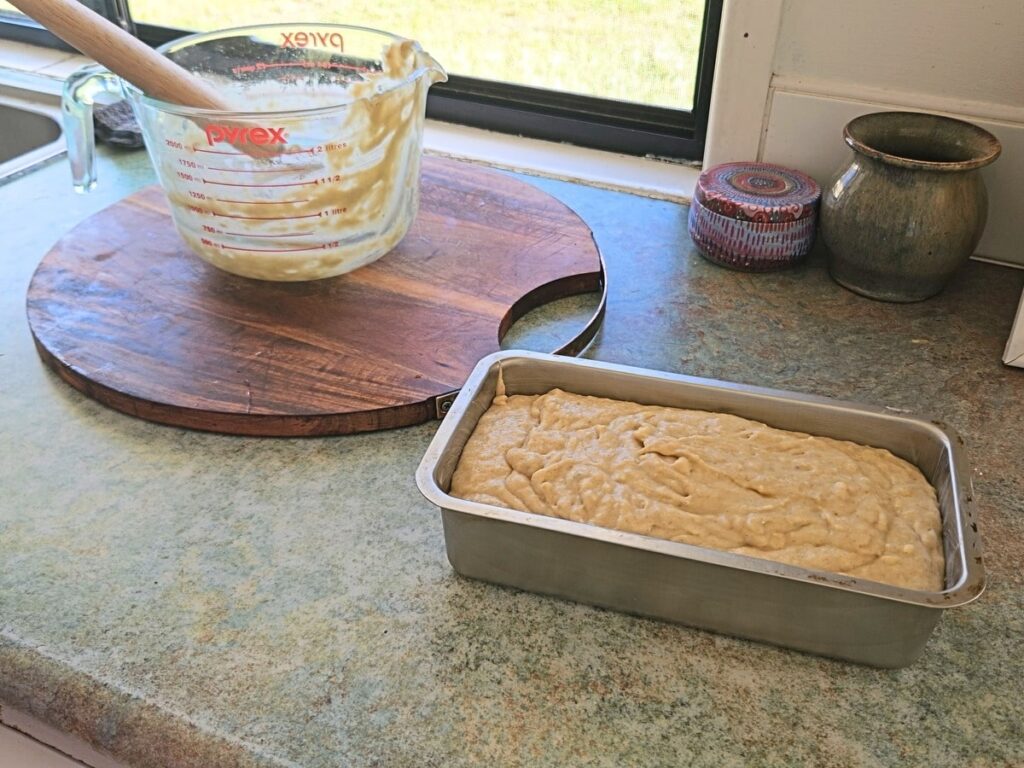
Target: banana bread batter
x=708 y=479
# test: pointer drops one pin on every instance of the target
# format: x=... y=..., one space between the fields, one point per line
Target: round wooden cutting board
x=127 y=314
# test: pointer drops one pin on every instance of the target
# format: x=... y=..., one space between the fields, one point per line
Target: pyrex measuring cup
x=314 y=174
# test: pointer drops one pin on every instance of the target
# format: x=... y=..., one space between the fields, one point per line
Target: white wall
x=971 y=50
x=813 y=65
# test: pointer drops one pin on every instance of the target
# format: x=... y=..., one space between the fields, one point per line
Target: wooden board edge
x=241 y=424
x=562 y=288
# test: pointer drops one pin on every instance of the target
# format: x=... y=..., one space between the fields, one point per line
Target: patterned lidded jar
x=754 y=216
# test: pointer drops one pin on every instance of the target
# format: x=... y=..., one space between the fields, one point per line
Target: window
x=15 y=25
x=627 y=75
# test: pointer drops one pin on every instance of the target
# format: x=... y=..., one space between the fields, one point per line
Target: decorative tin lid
x=759 y=192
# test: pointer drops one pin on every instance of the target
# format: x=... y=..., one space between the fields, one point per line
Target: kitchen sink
x=30 y=131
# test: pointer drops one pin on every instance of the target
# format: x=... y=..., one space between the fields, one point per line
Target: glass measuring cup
x=314 y=174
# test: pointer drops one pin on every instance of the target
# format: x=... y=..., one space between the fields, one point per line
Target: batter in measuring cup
x=326 y=192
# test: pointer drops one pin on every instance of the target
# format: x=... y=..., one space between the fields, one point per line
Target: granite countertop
x=185 y=599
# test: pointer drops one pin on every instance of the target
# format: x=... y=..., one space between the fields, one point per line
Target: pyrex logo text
x=303 y=39
x=236 y=134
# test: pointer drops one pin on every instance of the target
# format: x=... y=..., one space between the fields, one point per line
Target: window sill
x=38 y=60
x=644 y=176
x=608 y=170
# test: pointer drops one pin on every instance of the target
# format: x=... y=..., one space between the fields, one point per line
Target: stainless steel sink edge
x=34 y=94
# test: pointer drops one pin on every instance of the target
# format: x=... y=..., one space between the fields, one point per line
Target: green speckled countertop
x=185 y=599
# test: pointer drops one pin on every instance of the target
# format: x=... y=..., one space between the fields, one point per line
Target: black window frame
x=24 y=30
x=588 y=121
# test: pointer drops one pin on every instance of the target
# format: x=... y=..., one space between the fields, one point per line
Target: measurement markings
x=268 y=218
x=274 y=250
x=258 y=202
x=260 y=66
x=249 y=234
x=253 y=186
x=216 y=152
x=265 y=170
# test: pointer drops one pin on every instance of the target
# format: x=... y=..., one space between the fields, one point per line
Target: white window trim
x=744 y=65
x=640 y=175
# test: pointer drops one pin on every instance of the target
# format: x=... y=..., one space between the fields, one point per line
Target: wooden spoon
x=124 y=55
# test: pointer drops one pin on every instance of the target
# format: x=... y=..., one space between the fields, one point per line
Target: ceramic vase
x=908 y=208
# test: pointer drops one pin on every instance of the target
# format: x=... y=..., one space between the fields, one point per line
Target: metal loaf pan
x=816 y=611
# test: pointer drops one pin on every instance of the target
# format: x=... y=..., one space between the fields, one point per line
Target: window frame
x=587 y=121
x=24 y=30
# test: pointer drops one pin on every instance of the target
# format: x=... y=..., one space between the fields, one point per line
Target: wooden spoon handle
x=124 y=55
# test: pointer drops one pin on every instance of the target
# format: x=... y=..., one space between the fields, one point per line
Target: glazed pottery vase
x=909 y=207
